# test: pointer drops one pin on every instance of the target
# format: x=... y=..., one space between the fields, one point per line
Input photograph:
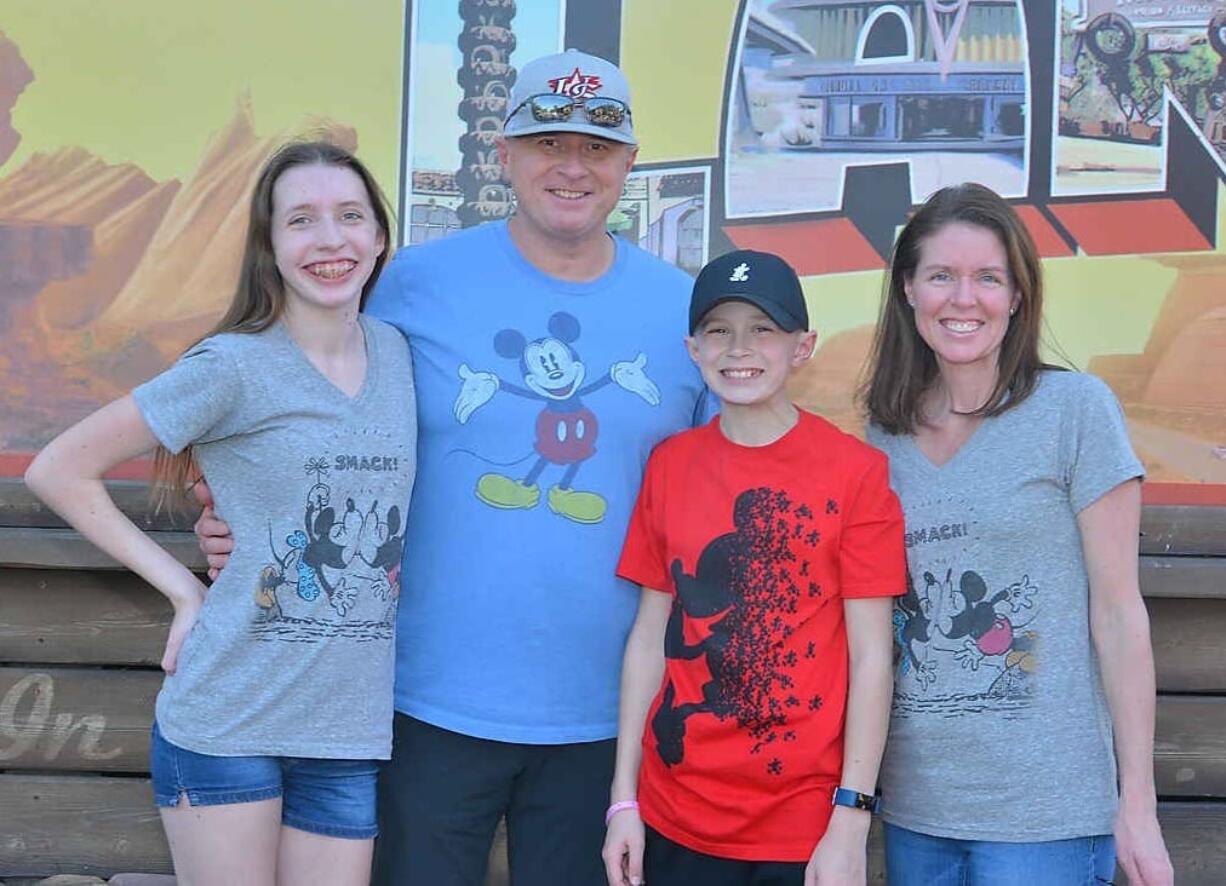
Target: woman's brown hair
x=259 y=299
x=902 y=366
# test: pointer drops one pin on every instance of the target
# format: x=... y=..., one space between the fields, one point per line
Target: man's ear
x=501 y=144
x=806 y=344
x=631 y=156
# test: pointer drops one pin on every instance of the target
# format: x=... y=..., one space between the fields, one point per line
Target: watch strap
x=855 y=800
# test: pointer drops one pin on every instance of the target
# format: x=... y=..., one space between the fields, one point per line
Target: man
x=547 y=364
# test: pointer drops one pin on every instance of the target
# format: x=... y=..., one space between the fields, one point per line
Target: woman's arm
x=67 y=475
x=841 y=855
x=1119 y=626
x=642 y=671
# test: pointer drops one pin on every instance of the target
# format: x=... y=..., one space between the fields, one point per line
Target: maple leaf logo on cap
x=576 y=84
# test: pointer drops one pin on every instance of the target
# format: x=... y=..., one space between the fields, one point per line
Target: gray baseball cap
x=578 y=76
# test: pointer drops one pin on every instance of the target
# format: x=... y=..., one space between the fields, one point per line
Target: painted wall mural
x=129 y=141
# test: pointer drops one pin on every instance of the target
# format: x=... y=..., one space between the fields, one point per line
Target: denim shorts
x=915 y=859
x=335 y=798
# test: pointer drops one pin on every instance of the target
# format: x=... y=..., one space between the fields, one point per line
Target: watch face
x=856 y=800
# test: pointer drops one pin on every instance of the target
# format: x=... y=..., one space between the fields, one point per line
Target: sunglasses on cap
x=549 y=107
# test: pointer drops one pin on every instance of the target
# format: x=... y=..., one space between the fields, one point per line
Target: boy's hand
x=212 y=534
x=840 y=858
x=623 y=849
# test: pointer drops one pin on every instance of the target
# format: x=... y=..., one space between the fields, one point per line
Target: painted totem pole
x=486 y=76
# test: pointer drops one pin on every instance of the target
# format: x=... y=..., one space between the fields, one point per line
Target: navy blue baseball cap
x=760 y=278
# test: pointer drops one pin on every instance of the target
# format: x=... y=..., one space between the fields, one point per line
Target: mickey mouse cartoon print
x=340 y=572
x=551 y=371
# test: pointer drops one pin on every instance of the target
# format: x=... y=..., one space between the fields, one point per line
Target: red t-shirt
x=743 y=744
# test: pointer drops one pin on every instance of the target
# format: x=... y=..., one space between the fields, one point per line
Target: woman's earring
x=1012 y=310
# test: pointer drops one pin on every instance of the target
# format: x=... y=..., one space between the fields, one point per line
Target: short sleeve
x=643 y=557
x=389 y=299
x=195 y=400
x=872 y=562
x=1097 y=453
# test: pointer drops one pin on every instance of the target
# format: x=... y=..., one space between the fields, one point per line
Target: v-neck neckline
x=368 y=343
x=959 y=454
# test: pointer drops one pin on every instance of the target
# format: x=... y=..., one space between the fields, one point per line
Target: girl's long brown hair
x=259 y=299
x=902 y=366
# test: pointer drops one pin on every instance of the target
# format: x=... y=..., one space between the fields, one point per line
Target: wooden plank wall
x=80 y=641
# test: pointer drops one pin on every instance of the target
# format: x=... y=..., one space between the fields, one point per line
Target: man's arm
x=212 y=533
x=1119 y=626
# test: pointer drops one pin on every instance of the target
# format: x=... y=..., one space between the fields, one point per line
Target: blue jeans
x=335 y=798
x=915 y=859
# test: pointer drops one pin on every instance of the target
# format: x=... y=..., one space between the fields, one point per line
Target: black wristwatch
x=855 y=799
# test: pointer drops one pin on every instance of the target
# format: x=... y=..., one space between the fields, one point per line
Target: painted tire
x=1111 y=37
x=1217 y=32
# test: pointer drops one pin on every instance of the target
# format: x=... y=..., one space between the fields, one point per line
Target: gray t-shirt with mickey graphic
x=1000 y=729
x=292 y=654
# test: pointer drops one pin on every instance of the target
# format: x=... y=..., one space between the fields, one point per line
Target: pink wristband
x=619 y=806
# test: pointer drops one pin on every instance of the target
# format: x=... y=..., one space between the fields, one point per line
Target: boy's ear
x=806 y=344
x=692 y=346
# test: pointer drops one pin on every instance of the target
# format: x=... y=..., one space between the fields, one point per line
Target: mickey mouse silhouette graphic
x=743 y=580
x=708 y=592
x=552 y=372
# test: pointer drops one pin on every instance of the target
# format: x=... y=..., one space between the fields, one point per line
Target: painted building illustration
x=913 y=75
x=823 y=84
x=666 y=215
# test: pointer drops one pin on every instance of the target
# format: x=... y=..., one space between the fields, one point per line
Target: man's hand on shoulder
x=212 y=533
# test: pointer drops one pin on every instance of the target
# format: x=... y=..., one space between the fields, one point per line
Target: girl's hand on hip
x=187 y=610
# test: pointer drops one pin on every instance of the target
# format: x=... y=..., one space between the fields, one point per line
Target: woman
x=1023 y=642
x=278 y=695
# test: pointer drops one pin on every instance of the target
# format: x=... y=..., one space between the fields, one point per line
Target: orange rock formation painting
x=15 y=76
x=1173 y=392
x=107 y=275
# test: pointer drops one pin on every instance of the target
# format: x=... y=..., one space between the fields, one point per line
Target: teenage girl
x=299 y=411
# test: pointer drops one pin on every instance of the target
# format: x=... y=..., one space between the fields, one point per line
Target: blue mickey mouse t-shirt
x=539 y=401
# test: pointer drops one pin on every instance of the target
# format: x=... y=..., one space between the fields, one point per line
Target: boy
x=769 y=547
